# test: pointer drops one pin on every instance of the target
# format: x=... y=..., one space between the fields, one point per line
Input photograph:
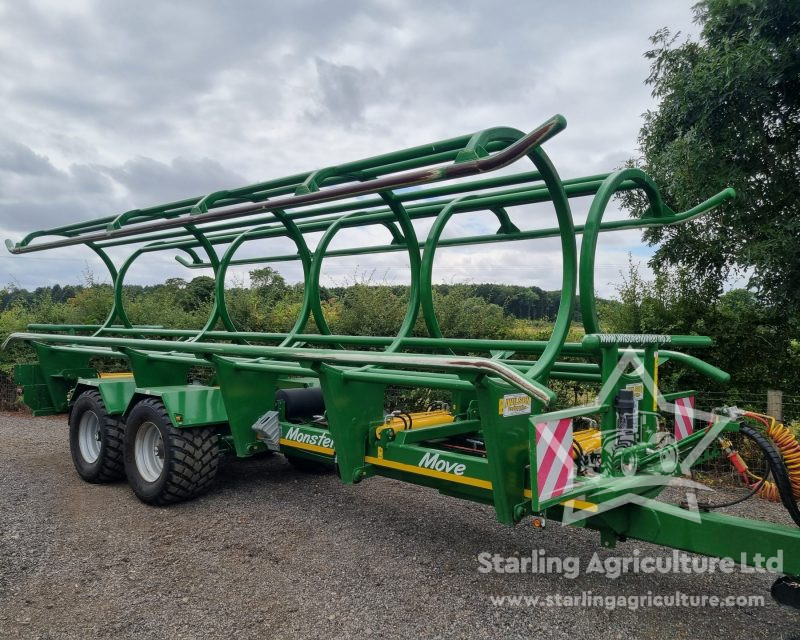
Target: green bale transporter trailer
x=320 y=399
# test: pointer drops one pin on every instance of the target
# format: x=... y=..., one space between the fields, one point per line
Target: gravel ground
x=271 y=553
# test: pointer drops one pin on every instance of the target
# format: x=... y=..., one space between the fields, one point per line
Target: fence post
x=775 y=404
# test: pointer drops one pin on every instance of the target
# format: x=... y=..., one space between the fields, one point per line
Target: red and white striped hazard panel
x=554 y=464
x=684 y=417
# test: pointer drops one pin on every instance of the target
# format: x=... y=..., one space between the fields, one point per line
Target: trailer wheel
x=165 y=465
x=95 y=439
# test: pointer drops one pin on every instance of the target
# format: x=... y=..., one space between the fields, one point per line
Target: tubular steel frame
x=394 y=190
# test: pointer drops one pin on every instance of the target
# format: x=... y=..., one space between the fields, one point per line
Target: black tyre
x=95 y=439
x=309 y=466
x=786 y=591
x=165 y=465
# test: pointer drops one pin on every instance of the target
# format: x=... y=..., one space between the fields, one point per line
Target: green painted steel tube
x=571 y=349
x=532 y=346
x=707 y=369
x=218 y=310
x=37 y=326
x=399 y=160
x=414 y=260
x=555 y=374
x=479 y=366
x=117 y=311
x=712 y=534
x=303 y=254
x=656 y=211
x=426 y=267
x=391 y=378
x=569 y=269
x=576 y=187
x=671 y=397
x=593 y=342
x=463 y=206
x=395 y=181
x=259 y=193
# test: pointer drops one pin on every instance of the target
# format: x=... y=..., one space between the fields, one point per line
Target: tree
x=198 y=294
x=268 y=282
x=755 y=343
x=729 y=115
x=464 y=315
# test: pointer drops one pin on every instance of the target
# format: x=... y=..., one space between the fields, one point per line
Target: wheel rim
x=89 y=437
x=149 y=452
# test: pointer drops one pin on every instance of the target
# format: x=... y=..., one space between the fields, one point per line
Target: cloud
x=109 y=105
x=35 y=194
x=344 y=91
x=161 y=182
x=20 y=159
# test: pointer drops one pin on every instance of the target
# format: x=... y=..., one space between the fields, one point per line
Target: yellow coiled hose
x=789 y=448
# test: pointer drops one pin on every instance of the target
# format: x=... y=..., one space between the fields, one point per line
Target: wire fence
x=9 y=398
x=709 y=400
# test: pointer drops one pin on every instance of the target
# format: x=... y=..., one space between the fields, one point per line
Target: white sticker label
x=515 y=404
x=637 y=388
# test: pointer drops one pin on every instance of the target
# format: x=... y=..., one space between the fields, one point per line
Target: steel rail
x=493 y=162
x=476 y=365
x=368 y=168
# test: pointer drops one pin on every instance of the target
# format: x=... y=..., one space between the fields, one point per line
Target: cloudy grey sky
x=110 y=105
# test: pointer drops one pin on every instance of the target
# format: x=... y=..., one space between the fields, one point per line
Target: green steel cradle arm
x=520 y=144
x=477 y=366
x=119 y=227
x=473 y=156
x=431 y=244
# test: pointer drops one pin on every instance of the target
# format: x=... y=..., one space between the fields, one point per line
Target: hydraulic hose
x=789 y=448
x=782 y=483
